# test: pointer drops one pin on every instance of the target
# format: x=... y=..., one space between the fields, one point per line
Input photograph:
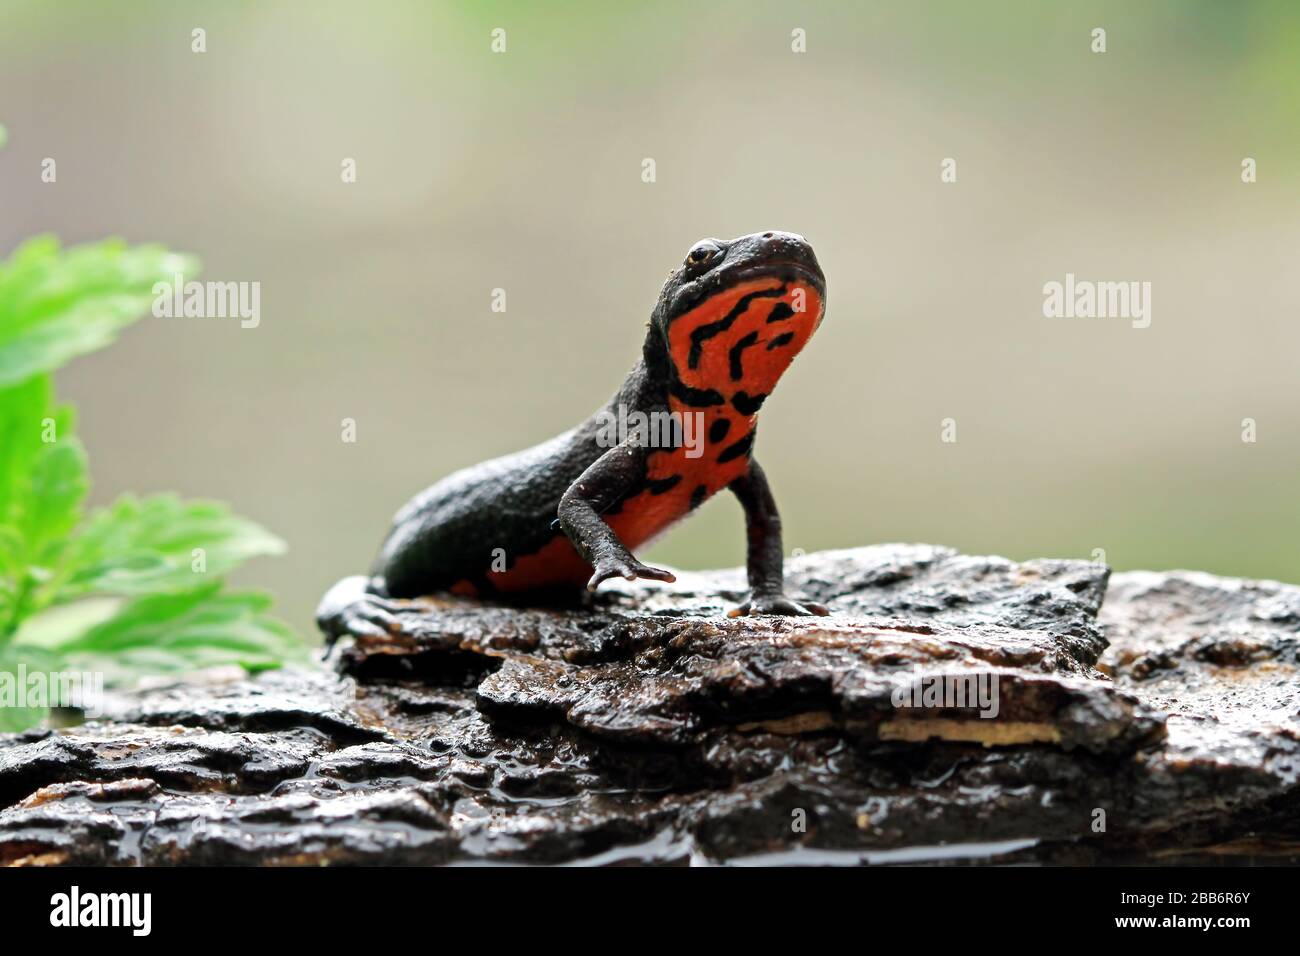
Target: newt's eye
x=702 y=253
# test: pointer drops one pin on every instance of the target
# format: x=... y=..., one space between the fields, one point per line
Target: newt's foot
x=628 y=567
x=349 y=608
x=778 y=604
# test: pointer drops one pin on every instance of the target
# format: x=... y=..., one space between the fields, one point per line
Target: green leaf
x=59 y=485
x=57 y=305
x=20 y=705
x=154 y=555
x=54 y=306
x=177 y=633
x=42 y=484
x=137 y=547
x=23 y=410
x=56 y=626
x=11 y=566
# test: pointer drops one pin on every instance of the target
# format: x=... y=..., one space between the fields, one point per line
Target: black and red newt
x=567 y=513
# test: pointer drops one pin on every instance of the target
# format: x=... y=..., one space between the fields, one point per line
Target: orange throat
x=728 y=353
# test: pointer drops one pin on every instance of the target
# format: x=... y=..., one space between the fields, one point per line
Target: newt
x=555 y=520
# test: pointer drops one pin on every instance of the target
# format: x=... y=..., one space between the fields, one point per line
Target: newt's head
x=734 y=315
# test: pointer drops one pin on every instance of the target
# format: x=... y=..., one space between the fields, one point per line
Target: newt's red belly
x=729 y=351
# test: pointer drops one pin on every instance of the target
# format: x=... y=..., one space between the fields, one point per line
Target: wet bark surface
x=953 y=708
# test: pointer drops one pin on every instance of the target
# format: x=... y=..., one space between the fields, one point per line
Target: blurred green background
x=522 y=171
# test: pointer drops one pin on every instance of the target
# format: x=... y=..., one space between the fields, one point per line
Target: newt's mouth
x=784 y=269
x=759 y=261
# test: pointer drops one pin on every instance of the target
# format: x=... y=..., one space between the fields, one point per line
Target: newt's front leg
x=596 y=490
x=765 y=560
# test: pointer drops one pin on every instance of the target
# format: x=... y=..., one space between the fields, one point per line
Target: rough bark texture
x=653 y=728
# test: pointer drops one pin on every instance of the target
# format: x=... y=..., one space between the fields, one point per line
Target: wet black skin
x=518 y=503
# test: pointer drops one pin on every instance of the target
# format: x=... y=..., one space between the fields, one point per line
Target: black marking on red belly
x=694 y=397
x=737 y=354
x=718 y=430
x=616 y=507
x=698 y=495
x=707 y=331
x=736 y=449
x=658 y=486
x=780 y=312
x=747 y=405
x=785 y=338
